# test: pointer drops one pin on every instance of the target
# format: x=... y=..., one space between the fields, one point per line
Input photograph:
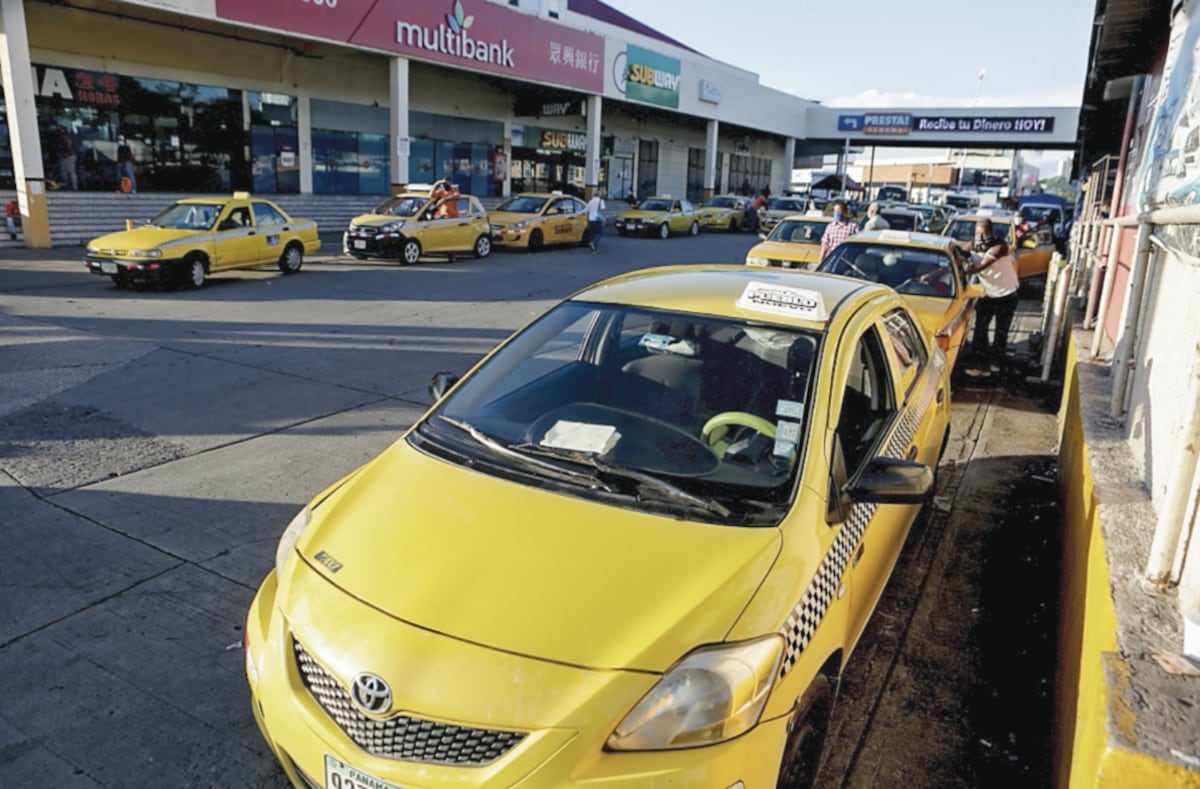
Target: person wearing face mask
x=994 y=265
x=838 y=230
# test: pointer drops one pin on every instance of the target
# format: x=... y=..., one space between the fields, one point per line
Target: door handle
x=941 y=395
x=252 y=233
x=912 y=452
x=859 y=554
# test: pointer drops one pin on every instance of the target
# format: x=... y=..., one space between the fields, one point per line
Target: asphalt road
x=153 y=445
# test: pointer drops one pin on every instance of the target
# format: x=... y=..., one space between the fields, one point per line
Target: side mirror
x=892 y=481
x=763 y=236
x=440 y=383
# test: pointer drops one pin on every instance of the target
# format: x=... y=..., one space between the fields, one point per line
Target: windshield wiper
x=672 y=492
x=554 y=469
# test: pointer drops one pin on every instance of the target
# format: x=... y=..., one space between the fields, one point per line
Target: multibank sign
x=471 y=34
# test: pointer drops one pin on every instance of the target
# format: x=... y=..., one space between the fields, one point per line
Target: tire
x=410 y=251
x=194 y=271
x=806 y=735
x=292 y=259
x=483 y=246
x=694 y=230
x=733 y=228
x=663 y=230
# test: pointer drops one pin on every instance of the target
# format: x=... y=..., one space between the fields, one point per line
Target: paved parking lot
x=153 y=444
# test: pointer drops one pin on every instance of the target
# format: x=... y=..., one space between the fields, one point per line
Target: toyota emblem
x=372 y=694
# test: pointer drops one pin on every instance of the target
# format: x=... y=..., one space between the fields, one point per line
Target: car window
x=401 y=206
x=521 y=204
x=914 y=271
x=239 y=216
x=905 y=346
x=655 y=205
x=868 y=402
x=265 y=214
x=798 y=231
x=720 y=202
x=188 y=216
x=675 y=206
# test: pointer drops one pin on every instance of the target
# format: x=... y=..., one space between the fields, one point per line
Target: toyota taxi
x=723 y=212
x=1031 y=256
x=535 y=219
x=197 y=236
x=925 y=269
x=413 y=224
x=794 y=242
x=659 y=216
x=633 y=548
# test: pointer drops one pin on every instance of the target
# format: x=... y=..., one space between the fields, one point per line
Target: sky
x=902 y=53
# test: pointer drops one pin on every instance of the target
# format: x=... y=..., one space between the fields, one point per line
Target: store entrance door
x=620 y=177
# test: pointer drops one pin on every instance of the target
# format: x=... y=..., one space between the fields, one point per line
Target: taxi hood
x=379 y=220
x=638 y=213
x=530 y=571
x=802 y=252
x=145 y=237
x=509 y=217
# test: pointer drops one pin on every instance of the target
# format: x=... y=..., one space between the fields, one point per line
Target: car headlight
x=391 y=227
x=287 y=542
x=755 y=260
x=93 y=250
x=146 y=253
x=712 y=695
x=519 y=225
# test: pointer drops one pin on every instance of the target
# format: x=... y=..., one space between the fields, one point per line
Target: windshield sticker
x=784 y=449
x=788 y=432
x=783 y=300
x=581 y=437
x=663 y=343
x=790 y=409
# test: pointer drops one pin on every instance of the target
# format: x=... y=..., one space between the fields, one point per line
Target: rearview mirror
x=892 y=481
x=440 y=383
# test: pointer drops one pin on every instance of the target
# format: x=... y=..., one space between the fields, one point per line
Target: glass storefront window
x=350 y=163
x=7 y=174
x=274 y=143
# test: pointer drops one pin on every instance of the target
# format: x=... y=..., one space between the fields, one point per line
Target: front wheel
x=536 y=240
x=806 y=735
x=291 y=260
x=663 y=230
x=410 y=253
x=194 y=273
x=483 y=246
x=694 y=230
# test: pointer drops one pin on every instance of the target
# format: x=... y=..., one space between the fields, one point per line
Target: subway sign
x=651 y=77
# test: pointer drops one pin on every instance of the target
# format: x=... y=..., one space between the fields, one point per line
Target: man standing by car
x=874 y=221
x=595 y=220
x=994 y=265
x=838 y=230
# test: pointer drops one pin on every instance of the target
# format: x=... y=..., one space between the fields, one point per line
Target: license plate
x=360 y=244
x=339 y=775
x=108 y=268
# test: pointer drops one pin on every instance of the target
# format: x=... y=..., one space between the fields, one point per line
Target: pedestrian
x=752 y=211
x=66 y=159
x=595 y=220
x=837 y=231
x=746 y=188
x=126 y=166
x=874 y=221
x=994 y=265
x=12 y=218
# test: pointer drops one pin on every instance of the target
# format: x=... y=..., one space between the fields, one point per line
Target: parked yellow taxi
x=534 y=219
x=197 y=236
x=925 y=269
x=1031 y=256
x=723 y=212
x=633 y=548
x=794 y=242
x=414 y=224
x=776 y=208
x=659 y=216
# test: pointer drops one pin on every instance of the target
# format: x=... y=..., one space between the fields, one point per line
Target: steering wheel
x=714 y=431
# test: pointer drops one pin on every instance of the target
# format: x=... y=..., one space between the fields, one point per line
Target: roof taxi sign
x=785 y=300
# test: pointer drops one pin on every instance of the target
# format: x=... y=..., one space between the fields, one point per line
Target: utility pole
x=962 y=162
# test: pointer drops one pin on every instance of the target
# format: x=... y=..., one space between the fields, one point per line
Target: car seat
x=663 y=386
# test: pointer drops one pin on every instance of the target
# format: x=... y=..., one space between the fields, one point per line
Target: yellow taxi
x=535 y=219
x=794 y=242
x=925 y=269
x=659 y=216
x=1031 y=256
x=413 y=224
x=776 y=209
x=199 y=235
x=633 y=548
x=723 y=212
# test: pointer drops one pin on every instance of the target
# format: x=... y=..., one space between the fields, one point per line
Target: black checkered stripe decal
x=802 y=622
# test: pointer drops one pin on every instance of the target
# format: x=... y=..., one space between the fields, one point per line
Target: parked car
x=634 y=547
x=723 y=212
x=414 y=224
x=793 y=243
x=197 y=236
x=775 y=209
x=531 y=220
x=659 y=216
x=1031 y=257
x=903 y=218
x=925 y=269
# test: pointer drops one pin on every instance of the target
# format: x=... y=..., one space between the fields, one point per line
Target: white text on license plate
x=360 y=244
x=108 y=268
x=339 y=775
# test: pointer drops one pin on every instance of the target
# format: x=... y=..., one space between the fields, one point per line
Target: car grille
x=364 y=230
x=402 y=736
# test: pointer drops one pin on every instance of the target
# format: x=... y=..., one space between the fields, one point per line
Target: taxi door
x=446 y=233
x=566 y=221
x=237 y=241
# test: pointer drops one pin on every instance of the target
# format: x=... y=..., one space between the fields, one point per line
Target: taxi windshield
x=964 y=229
x=643 y=401
x=720 y=202
x=520 y=204
x=400 y=206
x=655 y=205
x=914 y=271
x=188 y=216
x=784 y=204
x=798 y=231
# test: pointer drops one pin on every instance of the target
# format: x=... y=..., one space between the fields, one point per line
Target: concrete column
x=710 y=158
x=789 y=161
x=398 y=93
x=22 y=124
x=506 y=184
x=591 y=173
x=304 y=139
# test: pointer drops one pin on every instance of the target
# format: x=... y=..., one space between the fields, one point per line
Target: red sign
x=471 y=34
